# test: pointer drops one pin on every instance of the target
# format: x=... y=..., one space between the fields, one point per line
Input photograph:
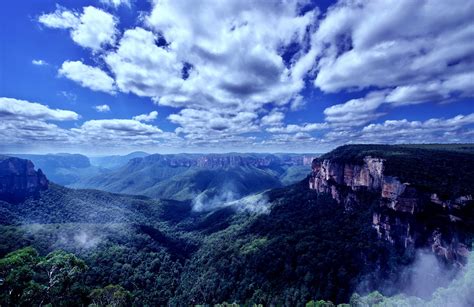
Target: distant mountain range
x=210 y=177
x=115 y=161
x=181 y=176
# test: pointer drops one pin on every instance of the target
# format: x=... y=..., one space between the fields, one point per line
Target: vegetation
x=29 y=279
x=88 y=247
x=161 y=252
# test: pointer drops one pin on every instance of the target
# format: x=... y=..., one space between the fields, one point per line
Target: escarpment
x=342 y=180
x=408 y=214
x=19 y=179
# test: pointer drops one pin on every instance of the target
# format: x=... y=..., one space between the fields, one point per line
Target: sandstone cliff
x=402 y=212
x=19 y=179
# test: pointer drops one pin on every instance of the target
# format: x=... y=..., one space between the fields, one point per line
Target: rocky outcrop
x=331 y=177
x=19 y=179
x=399 y=217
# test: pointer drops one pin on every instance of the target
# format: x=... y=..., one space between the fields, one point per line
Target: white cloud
x=356 y=112
x=275 y=118
x=39 y=62
x=435 y=130
x=234 y=63
x=308 y=127
x=241 y=61
x=24 y=122
x=93 y=29
x=213 y=124
x=128 y=127
x=102 y=108
x=228 y=68
x=116 y=3
x=118 y=133
x=398 y=45
x=87 y=76
x=394 y=127
x=146 y=117
x=32 y=132
x=298 y=103
x=143 y=68
x=60 y=19
x=22 y=109
x=392 y=43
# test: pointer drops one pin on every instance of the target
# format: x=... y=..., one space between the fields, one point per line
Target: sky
x=114 y=76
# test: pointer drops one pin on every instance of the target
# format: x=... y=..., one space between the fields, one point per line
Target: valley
x=338 y=231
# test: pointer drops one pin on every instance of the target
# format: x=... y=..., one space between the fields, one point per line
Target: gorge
x=357 y=223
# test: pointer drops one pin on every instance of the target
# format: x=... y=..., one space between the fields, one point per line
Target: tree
x=17 y=271
x=112 y=295
x=64 y=274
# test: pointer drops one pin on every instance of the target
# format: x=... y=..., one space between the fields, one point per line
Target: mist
x=431 y=284
x=229 y=197
x=207 y=201
x=427 y=274
x=71 y=237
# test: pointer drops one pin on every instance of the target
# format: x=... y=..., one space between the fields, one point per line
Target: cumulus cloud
x=273 y=119
x=405 y=127
x=197 y=124
x=435 y=130
x=146 y=117
x=394 y=43
x=94 y=28
x=23 y=122
x=39 y=62
x=102 y=108
x=143 y=68
x=118 y=132
x=234 y=69
x=128 y=127
x=87 y=76
x=116 y=3
x=234 y=63
x=356 y=112
x=401 y=48
x=308 y=127
x=32 y=131
x=11 y=108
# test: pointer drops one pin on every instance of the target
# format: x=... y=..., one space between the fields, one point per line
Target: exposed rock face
x=328 y=175
x=221 y=160
x=19 y=180
x=396 y=220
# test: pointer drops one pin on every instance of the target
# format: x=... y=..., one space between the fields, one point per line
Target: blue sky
x=113 y=76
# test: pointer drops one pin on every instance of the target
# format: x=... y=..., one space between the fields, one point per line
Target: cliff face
x=329 y=176
x=19 y=179
x=221 y=160
x=400 y=216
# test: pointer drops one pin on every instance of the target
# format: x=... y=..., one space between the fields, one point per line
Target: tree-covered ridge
x=446 y=169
